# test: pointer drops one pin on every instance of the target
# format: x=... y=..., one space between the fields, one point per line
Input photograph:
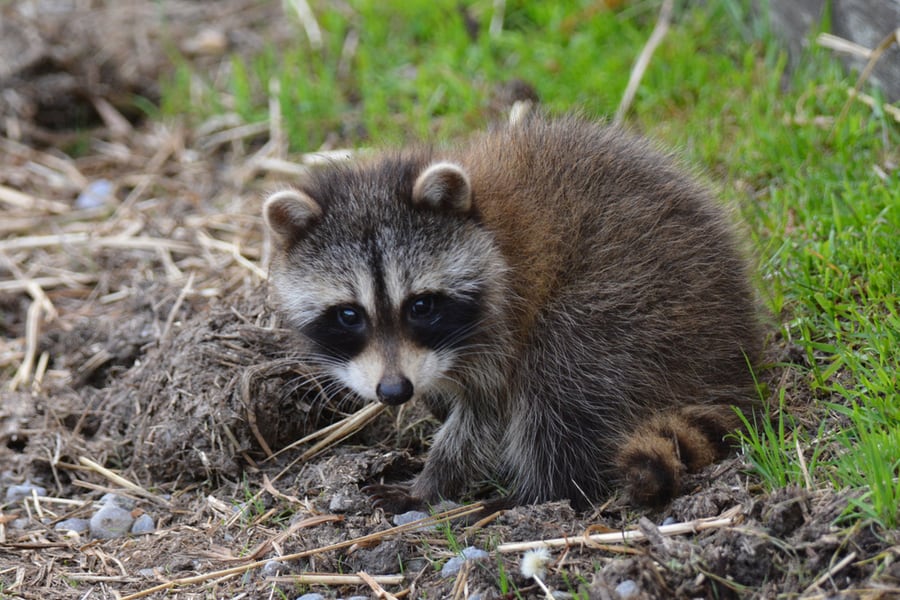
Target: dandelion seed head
x=534 y=562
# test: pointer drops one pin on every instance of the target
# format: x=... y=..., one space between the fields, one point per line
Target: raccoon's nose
x=394 y=389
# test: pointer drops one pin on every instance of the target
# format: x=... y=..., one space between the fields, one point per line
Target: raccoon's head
x=388 y=273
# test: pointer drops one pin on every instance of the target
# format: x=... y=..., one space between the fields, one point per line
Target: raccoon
x=572 y=304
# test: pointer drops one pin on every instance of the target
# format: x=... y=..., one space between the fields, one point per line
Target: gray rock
x=627 y=589
x=414 y=515
x=452 y=566
x=143 y=524
x=311 y=597
x=344 y=501
x=110 y=522
x=96 y=194
x=76 y=525
x=272 y=568
x=409 y=517
x=116 y=500
x=14 y=493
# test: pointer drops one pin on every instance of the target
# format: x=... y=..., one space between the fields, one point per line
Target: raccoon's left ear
x=443 y=186
x=289 y=213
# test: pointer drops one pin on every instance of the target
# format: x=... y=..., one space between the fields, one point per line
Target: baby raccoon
x=573 y=305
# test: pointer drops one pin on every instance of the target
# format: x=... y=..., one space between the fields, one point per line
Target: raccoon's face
x=388 y=274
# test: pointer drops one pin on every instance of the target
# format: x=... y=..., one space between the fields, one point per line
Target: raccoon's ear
x=444 y=186
x=288 y=213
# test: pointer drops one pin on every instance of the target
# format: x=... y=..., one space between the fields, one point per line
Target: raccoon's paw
x=394 y=499
x=651 y=470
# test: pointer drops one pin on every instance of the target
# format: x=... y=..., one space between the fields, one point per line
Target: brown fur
x=620 y=320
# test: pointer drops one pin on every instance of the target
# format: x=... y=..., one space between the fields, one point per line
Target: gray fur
x=611 y=286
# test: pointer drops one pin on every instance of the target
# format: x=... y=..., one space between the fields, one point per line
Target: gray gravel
x=452 y=566
x=111 y=522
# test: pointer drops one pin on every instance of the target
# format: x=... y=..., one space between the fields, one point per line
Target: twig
x=830 y=572
x=70 y=280
x=806 y=477
x=308 y=19
x=79 y=239
x=215 y=244
x=335 y=579
x=870 y=102
x=726 y=519
x=496 y=26
x=891 y=39
x=543 y=587
x=187 y=289
x=21 y=200
x=640 y=66
x=839 y=44
x=121 y=481
x=40 y=306
x=380 y=592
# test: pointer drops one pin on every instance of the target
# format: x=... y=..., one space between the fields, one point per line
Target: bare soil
x=137 y=335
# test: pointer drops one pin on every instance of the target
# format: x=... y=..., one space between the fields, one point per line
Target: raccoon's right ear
x=443 y=186
x=289 y=213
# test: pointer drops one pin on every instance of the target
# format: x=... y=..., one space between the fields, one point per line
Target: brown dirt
x=138 y=335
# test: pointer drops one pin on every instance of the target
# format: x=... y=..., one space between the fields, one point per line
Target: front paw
x=394 y=499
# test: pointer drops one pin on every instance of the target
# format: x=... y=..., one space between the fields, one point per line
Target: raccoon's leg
x=463 y=449
x=558 y=445
x=654 y=457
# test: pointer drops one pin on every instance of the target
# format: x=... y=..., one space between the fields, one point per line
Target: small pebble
x=110 y=522
x=409 y=517
x=272 y=568
x=627 y=589
x=14 y=493
x=147 y=573
x=143 y=524
x=311 y=597
x=452 y=566
x=668 y=521
x=76 y=525
x=96 y=194
x=342 y=502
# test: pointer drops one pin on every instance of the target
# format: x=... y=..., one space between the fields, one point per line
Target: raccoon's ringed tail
x=444 y=185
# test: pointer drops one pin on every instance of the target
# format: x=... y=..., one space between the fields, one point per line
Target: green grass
x=820 y=199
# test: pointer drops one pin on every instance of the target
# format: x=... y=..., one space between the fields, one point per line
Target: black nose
x=394 y=389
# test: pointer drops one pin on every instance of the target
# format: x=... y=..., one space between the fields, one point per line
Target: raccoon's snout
x=394 y=389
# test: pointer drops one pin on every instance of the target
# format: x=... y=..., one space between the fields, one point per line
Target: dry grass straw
x=643 y=59
x=52 y=248
x=726 y=519
x=123 y=482
x=339 y=579
x=330 y=434
x=841 y=45
x=362 y=541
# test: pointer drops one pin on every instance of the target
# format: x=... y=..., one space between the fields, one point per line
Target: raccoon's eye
x=348 y=317
x=422 y=307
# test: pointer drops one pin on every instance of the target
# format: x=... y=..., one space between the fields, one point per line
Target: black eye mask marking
x=341 y=331
x=438 y=321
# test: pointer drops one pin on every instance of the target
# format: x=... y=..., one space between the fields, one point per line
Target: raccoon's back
x=616 y=250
